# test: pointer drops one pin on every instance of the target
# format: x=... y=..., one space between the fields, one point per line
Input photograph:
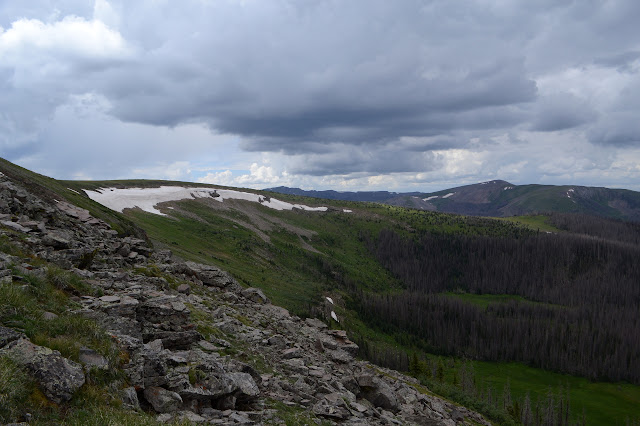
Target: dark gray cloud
x=620 y=129
x=560 y=112
x=623 y=62
x=321 y=88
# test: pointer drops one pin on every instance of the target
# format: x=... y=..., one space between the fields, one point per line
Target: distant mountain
x=500 y=198
x=374 y=196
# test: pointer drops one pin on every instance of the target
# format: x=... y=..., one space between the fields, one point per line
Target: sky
x=403 y=95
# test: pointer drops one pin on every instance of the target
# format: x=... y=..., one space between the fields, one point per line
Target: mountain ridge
x=500 y=198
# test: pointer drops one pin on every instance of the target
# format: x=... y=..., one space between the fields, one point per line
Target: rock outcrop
x=58 y=377
x=199 y=347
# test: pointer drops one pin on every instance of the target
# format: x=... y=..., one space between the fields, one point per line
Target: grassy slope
x=603 y=403
x=295 y=278
x=291 y=276
x=533 y=222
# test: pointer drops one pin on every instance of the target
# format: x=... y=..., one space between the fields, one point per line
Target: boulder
x=292 y=353
x=130 y=398
x=209 y=275
x=58 y=377
x=378 y=392
x=247 y=387
x=255 y=295
x=163 y=309
x=163 y=400
x=56 y=241
x=91 y=358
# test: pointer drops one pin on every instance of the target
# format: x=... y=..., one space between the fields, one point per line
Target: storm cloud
x=411 y=93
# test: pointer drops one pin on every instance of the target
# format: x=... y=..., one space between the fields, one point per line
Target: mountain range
x=499 y=198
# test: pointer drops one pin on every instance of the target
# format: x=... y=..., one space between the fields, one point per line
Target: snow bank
x=147 y=198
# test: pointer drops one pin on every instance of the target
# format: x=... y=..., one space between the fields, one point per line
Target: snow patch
x=347 y=211
x=329 y=299
x=334 y=316
x=73 y=190
x=430 y=198
x=507 y=187
x=147 y=198
x=448 y=195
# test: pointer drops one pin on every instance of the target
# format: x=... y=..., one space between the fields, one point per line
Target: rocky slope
x=193 y=344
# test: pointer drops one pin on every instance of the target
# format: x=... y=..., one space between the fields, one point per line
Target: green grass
x=533 y=222
x=603 y=403
x=22 y=307
x=484 y=300
x=15 y=387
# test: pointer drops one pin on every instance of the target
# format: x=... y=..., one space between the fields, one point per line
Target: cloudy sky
x=324 y=94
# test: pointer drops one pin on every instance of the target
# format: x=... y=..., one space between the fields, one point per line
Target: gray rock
x=209 y=275
x=14 y=226
x=130 y=398
x=277 y=341
x=163 y=309
x=184 y=289
x=8 y=335
x=457 y=415
x=255 y=295
x=57 y=376
x=48 y=316
x=173 y=339
x=126 y=306
x=91 y=358
x=292 y=353
x=56 y=241
x=340 y=356
x=316 y=323
x=378 y=392
x=277 y=312
x=163 y=400
x=247 y=387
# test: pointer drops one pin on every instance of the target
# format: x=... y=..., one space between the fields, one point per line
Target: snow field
x=147 y=198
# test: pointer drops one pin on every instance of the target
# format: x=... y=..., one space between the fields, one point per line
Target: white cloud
x=224 y=178
x=258 y=176
x=30 y=42
x=104 y=12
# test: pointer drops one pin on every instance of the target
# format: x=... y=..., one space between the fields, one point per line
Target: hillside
x=360 y=268
x=499 y=198
x=97 y=327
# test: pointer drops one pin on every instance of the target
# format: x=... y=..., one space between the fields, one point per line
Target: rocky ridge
x=198 y=347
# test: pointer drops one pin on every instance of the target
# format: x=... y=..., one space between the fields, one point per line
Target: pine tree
x=527 y=416
x=506 y=397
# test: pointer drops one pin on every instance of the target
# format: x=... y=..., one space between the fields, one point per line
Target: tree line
x=582 y=296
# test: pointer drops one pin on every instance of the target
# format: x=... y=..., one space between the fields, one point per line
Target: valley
x=425 y=292
x=298 y=257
